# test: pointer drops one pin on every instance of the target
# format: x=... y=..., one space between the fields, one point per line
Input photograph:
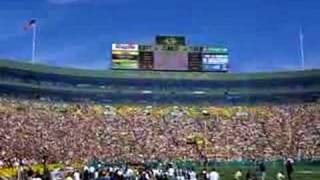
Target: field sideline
x=226 y=172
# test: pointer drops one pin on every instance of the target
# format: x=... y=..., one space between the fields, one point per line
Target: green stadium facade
x=145 y=87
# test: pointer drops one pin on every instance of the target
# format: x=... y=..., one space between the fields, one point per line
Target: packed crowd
x=30 y=130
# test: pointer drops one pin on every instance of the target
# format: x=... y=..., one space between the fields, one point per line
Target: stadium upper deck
x=110 y=86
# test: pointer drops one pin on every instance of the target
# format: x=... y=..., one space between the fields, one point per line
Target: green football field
x=303 y=170
x=300 y=172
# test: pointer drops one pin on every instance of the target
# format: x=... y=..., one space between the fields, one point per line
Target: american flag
x=30 y=25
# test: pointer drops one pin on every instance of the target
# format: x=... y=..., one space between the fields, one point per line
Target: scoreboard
x=170 y=53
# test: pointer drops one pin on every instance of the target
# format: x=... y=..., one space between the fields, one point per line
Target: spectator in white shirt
x=193 y=175
x=76 y=175
x=213 y=175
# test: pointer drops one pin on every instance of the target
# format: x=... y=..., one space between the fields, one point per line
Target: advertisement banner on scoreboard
x=215 y=62
x=125 y=56
x=215 y=59
x=125 y=47
x=215 y=67
x=125 y=64
x=126 y=52
x=215 y=50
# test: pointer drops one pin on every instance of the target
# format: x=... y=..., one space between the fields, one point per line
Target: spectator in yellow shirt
x=280 y=176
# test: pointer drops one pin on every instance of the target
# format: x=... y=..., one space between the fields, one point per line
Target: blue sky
x=262 y=35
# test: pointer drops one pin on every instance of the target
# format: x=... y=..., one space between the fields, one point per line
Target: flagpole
x=34 y=38
x=302 y=49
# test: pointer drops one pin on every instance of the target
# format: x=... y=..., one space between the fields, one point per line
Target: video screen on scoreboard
x=215 y=62
x=125 y=56
x=171 y=60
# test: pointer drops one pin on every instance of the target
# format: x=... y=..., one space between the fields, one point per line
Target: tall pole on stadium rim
x=301 y=39
x=34 y=39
